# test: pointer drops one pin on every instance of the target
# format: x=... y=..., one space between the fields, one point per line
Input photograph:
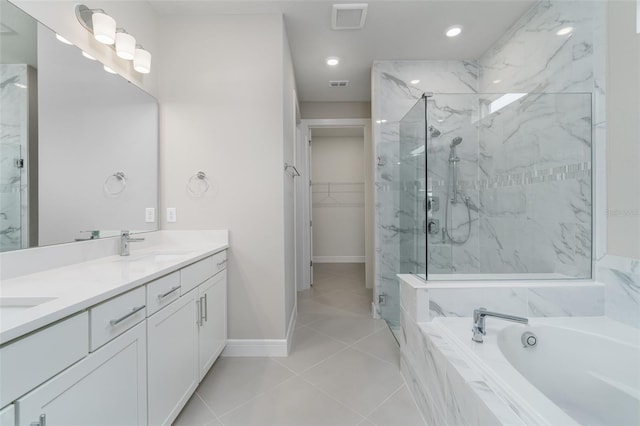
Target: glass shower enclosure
x=495 y=186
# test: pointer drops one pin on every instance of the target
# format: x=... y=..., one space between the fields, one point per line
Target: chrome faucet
x=125 y=239
x=479 y=316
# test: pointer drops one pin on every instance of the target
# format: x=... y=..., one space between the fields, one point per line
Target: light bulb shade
x=125 y=45
x=104 y=27
x=142 y=61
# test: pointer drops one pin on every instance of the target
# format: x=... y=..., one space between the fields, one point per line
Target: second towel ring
x=115 y=184
x=198 y=184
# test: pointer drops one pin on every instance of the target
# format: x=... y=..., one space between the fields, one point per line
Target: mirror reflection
x=78 y=145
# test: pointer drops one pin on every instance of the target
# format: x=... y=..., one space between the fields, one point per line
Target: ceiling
x=407 y=30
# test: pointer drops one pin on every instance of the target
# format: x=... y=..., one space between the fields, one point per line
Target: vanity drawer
x=32 y=360
x=162 y=291
x=113 y=317
x=193 y=275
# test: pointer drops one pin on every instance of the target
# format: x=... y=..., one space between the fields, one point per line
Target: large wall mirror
x=78 y=144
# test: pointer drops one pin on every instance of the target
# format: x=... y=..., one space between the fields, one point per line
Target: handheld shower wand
x=453 y=186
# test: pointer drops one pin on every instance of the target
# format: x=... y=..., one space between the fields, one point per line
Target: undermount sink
x=157 y=256
x=23 y=302
x=13 y=307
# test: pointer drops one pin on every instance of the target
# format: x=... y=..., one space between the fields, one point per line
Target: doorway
x=335 y=202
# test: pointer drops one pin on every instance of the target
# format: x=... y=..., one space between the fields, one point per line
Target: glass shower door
x=413 y=192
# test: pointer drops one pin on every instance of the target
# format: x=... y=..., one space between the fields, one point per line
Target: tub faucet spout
x=479 y=316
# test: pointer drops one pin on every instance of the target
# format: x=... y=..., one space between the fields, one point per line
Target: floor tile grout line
x=386 y=399
x=208 y=407
x=327 y=394
x=376 y=357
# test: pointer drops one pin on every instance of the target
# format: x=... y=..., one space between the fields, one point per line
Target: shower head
x=456 y=141
x=433 y=132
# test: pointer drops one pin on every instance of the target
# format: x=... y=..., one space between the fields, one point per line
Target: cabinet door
x=213 y=321
x=108 y=387
x=8 y=416
x=172 y=336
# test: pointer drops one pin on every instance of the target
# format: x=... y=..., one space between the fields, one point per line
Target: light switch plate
x=171 y=214
x=150 y=215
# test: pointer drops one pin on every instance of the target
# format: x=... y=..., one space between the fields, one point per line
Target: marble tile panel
x=566 y=301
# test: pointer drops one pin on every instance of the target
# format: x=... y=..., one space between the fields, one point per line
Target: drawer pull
x=222 y=263
x=206 y=308
x=162 y=296
x=119 y=320
x=42 y=421
x=199 y=313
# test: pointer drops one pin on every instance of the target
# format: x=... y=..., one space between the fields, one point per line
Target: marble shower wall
x=569 y=125
x=393 y=96
x=13 y=146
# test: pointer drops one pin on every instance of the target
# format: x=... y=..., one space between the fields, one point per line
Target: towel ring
x=115 y=184
x=198 y=184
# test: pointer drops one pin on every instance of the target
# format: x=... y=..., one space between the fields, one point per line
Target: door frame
x=303 y=208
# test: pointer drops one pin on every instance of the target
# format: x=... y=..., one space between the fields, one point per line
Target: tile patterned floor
x=343 y=368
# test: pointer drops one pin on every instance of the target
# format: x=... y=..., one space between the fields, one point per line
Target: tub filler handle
x=479 y=316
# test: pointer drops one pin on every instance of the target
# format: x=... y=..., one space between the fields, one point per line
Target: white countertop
x=78 y=286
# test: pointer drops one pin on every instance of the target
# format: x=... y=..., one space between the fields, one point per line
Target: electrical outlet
x=171 y=214
x=150 y=215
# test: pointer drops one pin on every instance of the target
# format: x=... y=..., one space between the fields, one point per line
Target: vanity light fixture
x=564 y=31
x=332 y=61
x=454 y=31
x=64 y=40
x=104 y=29
x=125 y=44
x=142 y=60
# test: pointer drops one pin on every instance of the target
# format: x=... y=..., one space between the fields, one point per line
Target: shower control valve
x=433 y=226
x=433 y=204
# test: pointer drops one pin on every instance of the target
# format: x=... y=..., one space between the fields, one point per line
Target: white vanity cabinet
x=134 y=359
x=185 y=336
x=172 y=358
x=8 y=416
x=108 y=387
x=213 y=320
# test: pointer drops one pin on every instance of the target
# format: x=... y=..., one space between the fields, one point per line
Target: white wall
x=137 y=17
x=338 y=231
x=290 y=107
x=623 y=127
x=222 y=98
x=334 y=110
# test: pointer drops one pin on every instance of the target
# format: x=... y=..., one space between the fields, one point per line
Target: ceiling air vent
x=338 y=83
x=348 y=16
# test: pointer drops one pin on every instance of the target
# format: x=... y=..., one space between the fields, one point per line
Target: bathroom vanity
x=116 y=339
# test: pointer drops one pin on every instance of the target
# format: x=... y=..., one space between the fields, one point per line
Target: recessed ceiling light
x=109 y=70
x=62 y=39
x=497 y=81
x=565 y=31
x=454 y=31
x=415 y=81
x=86 y=55
x=333 y=61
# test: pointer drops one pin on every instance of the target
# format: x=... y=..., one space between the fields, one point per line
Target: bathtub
x=582 y=370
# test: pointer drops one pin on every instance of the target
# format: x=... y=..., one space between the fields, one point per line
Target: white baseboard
x=255 y=347
x=262 y=347
x=338 y=259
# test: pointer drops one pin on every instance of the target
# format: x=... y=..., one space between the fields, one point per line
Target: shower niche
x=496 y=186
